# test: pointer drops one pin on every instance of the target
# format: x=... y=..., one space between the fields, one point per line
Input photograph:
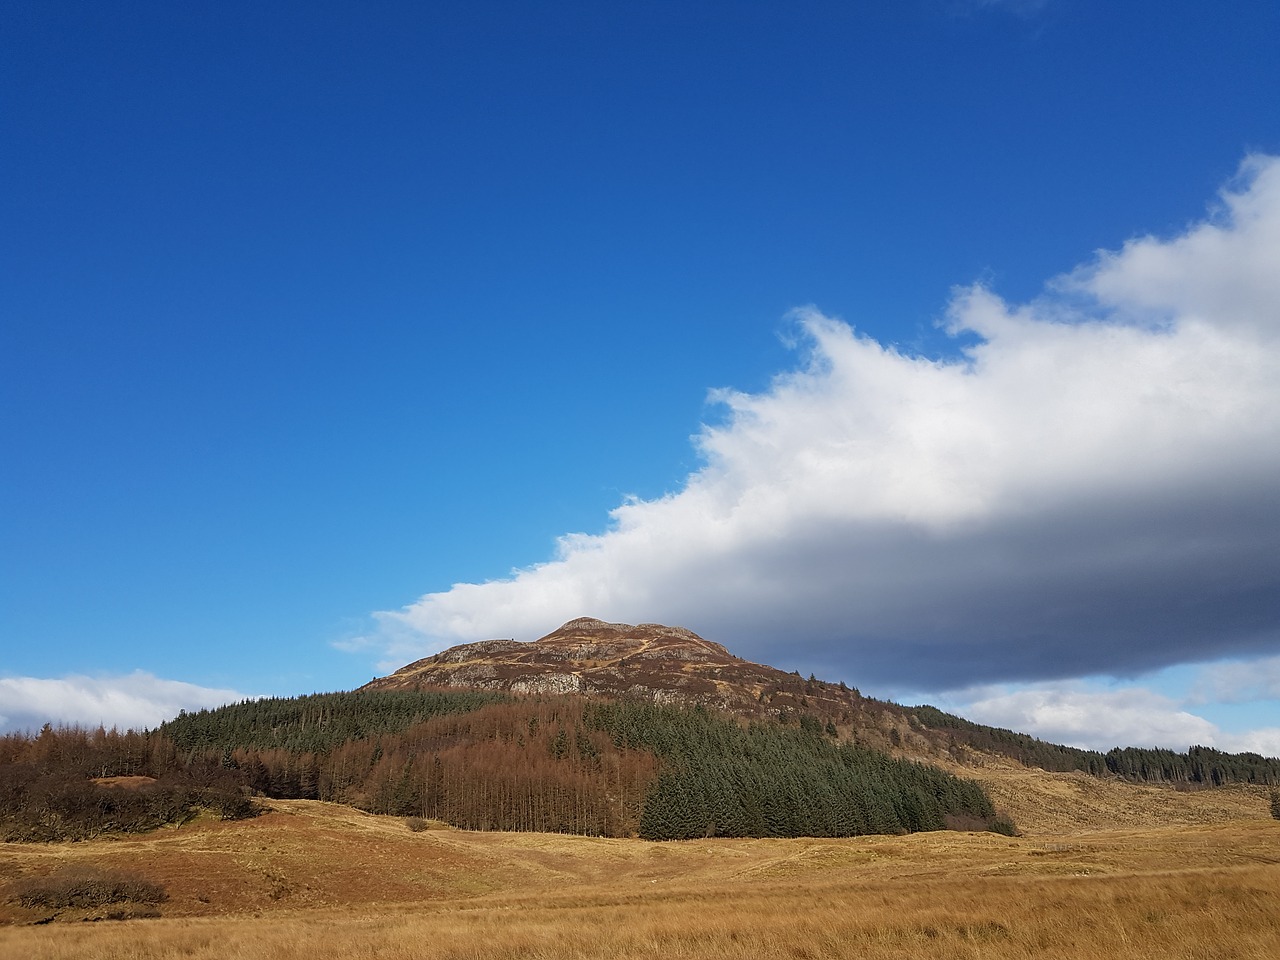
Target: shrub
x=1275 y=804
x=228 y=804
x=83 y=887
x=417 y=824
x=1003 y=825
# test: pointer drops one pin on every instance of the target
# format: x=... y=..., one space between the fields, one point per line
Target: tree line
x=493 y=761
x=1198 y=767
x=317 y=722
x=488 y=761
x=58 y=785
x=578 y=766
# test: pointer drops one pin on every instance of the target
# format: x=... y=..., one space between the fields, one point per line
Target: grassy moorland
x=1103 y=869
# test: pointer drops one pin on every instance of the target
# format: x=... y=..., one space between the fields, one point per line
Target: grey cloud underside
x=1119 y=587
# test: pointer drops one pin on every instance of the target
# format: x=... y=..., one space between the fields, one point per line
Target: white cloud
x=1265 y=740
x=1221 y=273
x=1093 y=719
x=1239 y=681
x=1076 y=714
x=136 y=700
x=1088 y=488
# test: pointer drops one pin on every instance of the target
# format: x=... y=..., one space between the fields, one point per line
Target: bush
x=417 y=824
x=37 y=807
x=83 y=887
x=1003 y=825
x=65 y=807
x=228 y=804
x=1275 y=804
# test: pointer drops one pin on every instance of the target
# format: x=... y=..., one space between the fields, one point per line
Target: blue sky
x=927 y=345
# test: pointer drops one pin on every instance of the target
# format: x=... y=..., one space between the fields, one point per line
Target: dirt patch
x=124 y=783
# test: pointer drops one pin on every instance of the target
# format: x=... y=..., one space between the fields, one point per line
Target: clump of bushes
x=86 y=888
x=41 y=807
x=1275 y=804
x=75 y=784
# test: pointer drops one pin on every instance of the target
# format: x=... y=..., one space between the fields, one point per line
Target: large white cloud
x=134 y=701
x=1088 y=486
x=1079 y=715
x=1073 y=714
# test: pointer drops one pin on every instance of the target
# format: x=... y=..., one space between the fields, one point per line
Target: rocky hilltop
x=642 y=661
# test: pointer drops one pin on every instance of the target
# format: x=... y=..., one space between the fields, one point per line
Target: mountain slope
x=672 y=665
x=648 y=661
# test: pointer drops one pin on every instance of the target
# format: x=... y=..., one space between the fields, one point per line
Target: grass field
x=1103 y=870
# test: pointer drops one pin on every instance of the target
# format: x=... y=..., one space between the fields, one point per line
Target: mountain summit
x=647 y=661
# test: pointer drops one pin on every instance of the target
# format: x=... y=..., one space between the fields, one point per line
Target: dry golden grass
x=1041 y=802
x=314 y=881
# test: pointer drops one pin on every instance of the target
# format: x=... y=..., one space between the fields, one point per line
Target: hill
x=655 y=663
x=598 y=728
x=671 y=665
x=648 y=661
